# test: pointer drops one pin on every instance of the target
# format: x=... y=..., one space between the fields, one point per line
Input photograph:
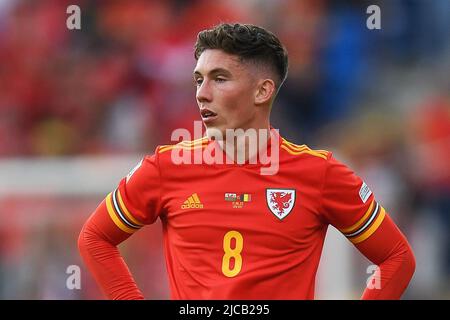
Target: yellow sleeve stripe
x=188 y=142
x=372 y=229
x=120 y=213
x=303 y=146
x=181 y=146
x=114 y=217
x=304 y=150
x=358 y=224
x=125 y=210
x=194 y=142
x=294 y=146
x=295 y=149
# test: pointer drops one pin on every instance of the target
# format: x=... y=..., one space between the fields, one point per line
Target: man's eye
x=220 y=80
x=198 y=81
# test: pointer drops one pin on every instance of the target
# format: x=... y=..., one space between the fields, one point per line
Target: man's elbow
x=89 y=240
x=82 y=242
x=409 y=261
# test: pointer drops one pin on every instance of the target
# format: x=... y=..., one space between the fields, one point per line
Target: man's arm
x=97 y=244
x=350 y=206
x=390 y=251
x=135 y=203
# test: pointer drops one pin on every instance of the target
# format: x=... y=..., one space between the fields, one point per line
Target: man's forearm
x=389 y=249
x=97 y=244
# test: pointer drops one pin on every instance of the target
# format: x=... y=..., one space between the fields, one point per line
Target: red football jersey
x=232 y=233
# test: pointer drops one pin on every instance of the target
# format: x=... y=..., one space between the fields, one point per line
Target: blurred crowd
x=379 y=99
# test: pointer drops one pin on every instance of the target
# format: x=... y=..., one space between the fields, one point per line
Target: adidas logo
x=193 y=202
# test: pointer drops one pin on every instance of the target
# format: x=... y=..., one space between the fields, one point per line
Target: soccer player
x=231 y=232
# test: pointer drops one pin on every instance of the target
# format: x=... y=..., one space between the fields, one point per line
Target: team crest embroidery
x=280 y=201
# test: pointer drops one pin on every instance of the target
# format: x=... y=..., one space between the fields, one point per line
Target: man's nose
x=203 y=92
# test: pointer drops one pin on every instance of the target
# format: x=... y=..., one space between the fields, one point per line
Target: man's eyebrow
x=214 y=72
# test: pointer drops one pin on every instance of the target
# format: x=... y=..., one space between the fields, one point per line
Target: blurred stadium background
x=79 y=108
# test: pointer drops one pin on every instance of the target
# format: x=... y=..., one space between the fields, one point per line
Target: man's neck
x=243 y=146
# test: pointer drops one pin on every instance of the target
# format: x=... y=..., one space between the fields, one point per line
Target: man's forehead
x=214 y=59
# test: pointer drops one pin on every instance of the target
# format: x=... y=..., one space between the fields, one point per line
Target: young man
x=230 y=230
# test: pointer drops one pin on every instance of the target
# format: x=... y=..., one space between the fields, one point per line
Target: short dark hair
x=249 y=42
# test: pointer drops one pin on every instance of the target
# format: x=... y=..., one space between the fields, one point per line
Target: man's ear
x=264 y=91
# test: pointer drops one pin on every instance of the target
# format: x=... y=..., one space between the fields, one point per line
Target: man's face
x=226 y=91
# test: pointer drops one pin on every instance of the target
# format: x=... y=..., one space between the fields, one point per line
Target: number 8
x=232 y=253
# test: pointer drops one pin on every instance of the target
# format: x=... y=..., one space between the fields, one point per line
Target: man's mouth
x=208 y=115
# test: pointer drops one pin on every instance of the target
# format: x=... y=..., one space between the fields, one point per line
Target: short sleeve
x=348 y=204
x=137 y=199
